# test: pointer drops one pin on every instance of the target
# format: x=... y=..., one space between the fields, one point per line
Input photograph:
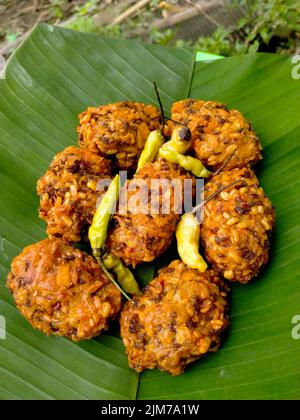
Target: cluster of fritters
x=182 y=313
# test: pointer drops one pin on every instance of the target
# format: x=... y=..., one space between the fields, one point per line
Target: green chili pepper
x=180 y=140
x=111 y=277
x=98 y=229
x=125 y=277
x=173 y=151
x=188 y=237
x=97 y=237
x=151 y=148
x=187 y=162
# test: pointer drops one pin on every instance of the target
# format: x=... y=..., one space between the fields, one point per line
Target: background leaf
x=51 y=78
x=55 y=75
x=259 y=359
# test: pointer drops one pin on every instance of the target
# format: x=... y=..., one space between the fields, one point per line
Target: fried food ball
x=61 y=290
x=236 y=225
x=118 y=131
x=68 y=192
x=142 y=235
x=178 y=319
x=218 y=132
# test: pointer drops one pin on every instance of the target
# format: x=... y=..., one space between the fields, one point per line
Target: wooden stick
x=130 y=11
x=180 y=17
x=203 y=12
x=185 y=15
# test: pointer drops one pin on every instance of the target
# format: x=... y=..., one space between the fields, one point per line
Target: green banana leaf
x=53 y=76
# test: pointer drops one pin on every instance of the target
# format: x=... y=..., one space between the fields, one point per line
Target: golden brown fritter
x=217 y=132
x=61 y=290
x=137 y=238
x=118 y=131
x=177 y=320
x=68 y=192
x=236 y=225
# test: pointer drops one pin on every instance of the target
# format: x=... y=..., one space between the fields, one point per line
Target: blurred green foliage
x=56 y=8
x=267 y=25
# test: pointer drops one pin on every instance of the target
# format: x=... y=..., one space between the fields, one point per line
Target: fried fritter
x=236 y=225
x=118 y=131
x=141 y=237
x=68 y=192
x=178 y=319
x=61 y=290
x=217 y=132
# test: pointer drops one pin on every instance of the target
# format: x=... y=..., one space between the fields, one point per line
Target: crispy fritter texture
x=236 y=225
x=118 y=131
x=137 y=238
x=61 y=290
x=217 y=132
x=178 y=319
x=68 y=192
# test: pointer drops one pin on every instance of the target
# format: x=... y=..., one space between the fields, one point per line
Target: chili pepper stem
x=111 y=278
x=161 y=108
x=96 y=252
x=224 y=164
x=210 y=197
